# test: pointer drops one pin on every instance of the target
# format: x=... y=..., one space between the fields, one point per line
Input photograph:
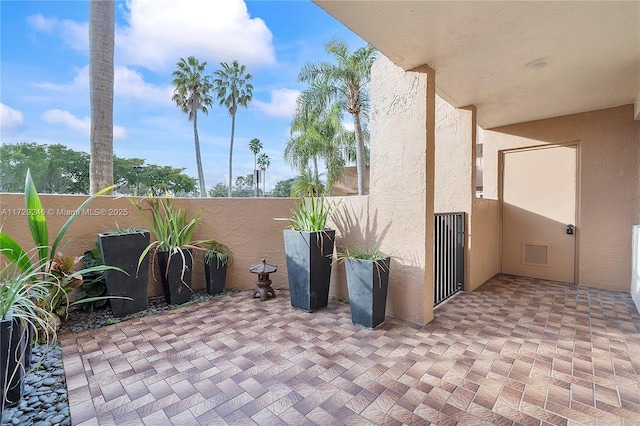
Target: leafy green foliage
x=344 y=82
x=58 y=169
x=312 y=215
x=93 y=286
x=243 y=187
x=283 y=188
x=20 y=292
x=50 y=269
x=169 y=225
x=305 y=184
x=362 y=254
x=218 y=251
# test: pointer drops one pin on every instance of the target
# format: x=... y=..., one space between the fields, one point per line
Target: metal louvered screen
x=449 y=256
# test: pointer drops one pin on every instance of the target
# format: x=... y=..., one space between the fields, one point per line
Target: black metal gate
x=448 y=256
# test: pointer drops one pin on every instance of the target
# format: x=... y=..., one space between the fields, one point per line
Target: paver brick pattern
x=515 y=351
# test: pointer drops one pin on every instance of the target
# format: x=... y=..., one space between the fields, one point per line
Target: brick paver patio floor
x=516 y=351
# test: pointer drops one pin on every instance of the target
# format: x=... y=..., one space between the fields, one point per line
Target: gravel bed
x=45 y=401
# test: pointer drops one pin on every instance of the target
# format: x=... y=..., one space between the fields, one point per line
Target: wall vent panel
x=535 y=255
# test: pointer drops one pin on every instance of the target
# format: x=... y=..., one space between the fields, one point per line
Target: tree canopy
x=60 y=170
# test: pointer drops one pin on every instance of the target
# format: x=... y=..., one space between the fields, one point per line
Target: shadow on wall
x=358 y=227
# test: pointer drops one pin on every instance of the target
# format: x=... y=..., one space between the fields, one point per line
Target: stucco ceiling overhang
x=515 y=61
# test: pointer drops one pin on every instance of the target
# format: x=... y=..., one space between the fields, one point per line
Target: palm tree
x=101 y=48
x=192 y=94
x=255 y=146
x=346 y=81
x=233 y=88
x=306 y=184
x=264 y=162
x=316 y=134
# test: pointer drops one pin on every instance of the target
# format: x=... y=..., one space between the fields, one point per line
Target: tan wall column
x=401 y=192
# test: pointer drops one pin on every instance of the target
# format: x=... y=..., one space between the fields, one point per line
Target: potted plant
x=367 y=283
x=122 y=248
x=21 y=319
x=308 y=246
x=173 y=248
x=217 y=257
x=58 y=272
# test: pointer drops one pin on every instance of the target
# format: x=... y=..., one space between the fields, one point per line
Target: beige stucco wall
x=245 y=225
x=348 y=183
x=401 y=183
x=484 y=243
x=454 y=158
x=609 y=184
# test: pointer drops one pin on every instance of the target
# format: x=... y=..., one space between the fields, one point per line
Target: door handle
x=569 y=229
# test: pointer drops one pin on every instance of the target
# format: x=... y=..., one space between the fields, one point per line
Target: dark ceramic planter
x=309 y=267
x=123 y=251
x=15 y=344
x=367 y=282
x=215 y=276
x=176 y=276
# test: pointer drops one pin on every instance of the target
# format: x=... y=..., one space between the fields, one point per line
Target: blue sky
x=44 y=95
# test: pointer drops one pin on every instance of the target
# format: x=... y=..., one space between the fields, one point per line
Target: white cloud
x=73 y=33
x=79 y=125
x=160 y=32
x=128 y=83
x=348 y=125
x=282 y=104
x=10 y=119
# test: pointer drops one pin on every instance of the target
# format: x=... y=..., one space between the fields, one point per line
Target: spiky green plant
x=216 y=250
x=20 y=294
x=170 y=227
x=362 y=254
x=312 y=215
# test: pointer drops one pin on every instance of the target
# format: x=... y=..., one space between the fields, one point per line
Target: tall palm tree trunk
x=101 y=48
x=316 y=176
x=256 y=175
x=360 y=155
x=203 y=192
x=233 y=129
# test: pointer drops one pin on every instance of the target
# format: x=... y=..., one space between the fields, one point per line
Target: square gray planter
x=367 y=282
x=123 y=251
x=309 y=267
x=176 y=276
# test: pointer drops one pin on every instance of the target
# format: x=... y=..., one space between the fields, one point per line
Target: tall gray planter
x=176 y=276
x=15 y=344
x=123 y=251
x=367 y=282
x=215 y=276
x=309 y=267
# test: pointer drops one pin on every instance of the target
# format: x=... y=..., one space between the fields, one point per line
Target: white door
x=539 y=212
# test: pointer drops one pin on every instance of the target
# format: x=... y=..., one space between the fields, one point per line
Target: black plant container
x=309 y=267
x=367 y=282
x=215 y=276
x=14 y=346
x=123 y=251
x=176 y=275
